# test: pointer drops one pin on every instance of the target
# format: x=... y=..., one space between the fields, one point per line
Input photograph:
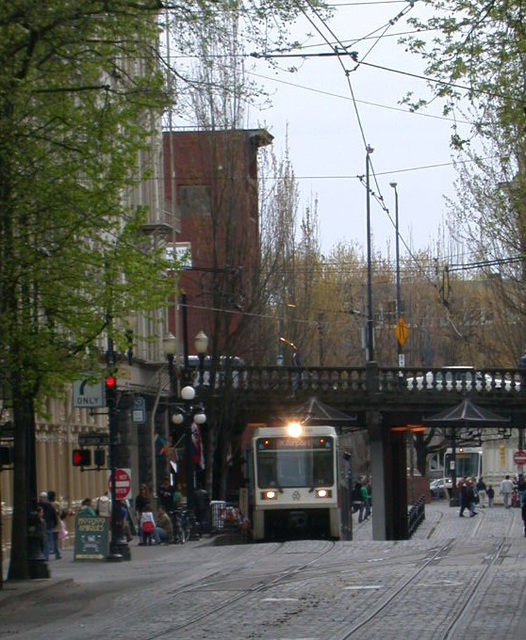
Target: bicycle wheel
x=185 y=531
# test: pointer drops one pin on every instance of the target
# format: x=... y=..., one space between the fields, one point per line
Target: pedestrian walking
x=506 y=491
x=147 y=527
x=491 y=496
x=51 y=519
x=466 y=499
x=366 y=501
x=103 y=507
x=481 y=492
x=523 y=513
x=57 y=529
x=357 y=500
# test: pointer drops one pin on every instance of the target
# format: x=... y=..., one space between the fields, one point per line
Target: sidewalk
x=443 y=522
x=145 y=561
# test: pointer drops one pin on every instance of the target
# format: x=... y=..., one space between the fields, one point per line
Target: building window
x=195 y=201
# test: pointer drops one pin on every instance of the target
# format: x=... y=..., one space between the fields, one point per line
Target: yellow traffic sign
x=401 y=332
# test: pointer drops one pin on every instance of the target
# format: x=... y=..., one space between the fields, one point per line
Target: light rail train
x=468 y=464
x=295 y=482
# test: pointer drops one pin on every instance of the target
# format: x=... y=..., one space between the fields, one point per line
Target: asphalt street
x=456 y=578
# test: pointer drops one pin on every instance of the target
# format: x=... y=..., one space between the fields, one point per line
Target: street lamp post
x=370 y=321
x=201 y=347
x=186 y=414
x=170 y=349
x=397 y=250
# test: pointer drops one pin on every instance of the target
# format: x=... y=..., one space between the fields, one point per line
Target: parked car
x=437 y=488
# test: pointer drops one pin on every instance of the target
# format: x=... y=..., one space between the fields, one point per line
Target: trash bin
x=218 y=509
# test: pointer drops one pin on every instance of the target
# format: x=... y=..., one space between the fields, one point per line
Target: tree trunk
x=24 y=470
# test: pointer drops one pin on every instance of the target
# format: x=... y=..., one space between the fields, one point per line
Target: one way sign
x=88 y=396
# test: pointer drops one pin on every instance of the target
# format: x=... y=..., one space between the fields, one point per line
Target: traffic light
x=81 y=457
x=110 y=386
x=99 y=457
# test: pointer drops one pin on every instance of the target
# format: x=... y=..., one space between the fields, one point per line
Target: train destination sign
x=309 y=442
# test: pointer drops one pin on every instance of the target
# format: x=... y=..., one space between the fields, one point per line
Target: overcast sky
x=328 y=133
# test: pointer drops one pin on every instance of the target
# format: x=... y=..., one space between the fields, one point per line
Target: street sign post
x=122 y=484
x=519 y=458
x=139 y=410
x=401 y=332
x=88 y=396
x=94 y=439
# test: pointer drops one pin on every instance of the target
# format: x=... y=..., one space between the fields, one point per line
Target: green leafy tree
x=477 y=57
x=79 y=91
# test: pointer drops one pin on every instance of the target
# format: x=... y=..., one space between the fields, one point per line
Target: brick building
x=211 y=184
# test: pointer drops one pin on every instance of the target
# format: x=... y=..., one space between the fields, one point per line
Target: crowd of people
x=473 y=494
x=150 y=520
x=151 y=526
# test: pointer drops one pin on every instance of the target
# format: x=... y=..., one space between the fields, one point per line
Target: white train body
x=295 y=483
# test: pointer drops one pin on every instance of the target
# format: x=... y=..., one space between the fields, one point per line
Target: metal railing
x=416 y=515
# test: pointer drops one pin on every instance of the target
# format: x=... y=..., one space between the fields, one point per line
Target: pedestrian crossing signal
x=6 y=456
x=81 y=457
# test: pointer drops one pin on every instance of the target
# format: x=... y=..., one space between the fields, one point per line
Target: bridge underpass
x=387 y=402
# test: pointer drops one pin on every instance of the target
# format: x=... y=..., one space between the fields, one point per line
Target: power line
x=365 y=102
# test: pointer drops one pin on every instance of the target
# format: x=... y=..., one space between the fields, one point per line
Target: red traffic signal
x=110 y=386
x=81 y=457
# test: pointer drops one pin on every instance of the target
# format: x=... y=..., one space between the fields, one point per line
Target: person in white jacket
x=147 y=527
x=103 y=507
x=506 y=491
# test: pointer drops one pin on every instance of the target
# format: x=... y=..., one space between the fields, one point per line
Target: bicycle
x=181 y=531
x=193 y=526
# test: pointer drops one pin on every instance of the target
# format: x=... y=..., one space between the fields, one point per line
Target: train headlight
x=294 y=429
x=269 y=494
x=323 y=493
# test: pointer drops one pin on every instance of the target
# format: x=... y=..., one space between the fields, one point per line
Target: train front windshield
x=295 y=462
x=467 y=464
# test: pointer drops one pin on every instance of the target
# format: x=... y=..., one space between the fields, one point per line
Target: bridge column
x=389 y=479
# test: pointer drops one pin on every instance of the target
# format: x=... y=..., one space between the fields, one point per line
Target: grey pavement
x=456 y=578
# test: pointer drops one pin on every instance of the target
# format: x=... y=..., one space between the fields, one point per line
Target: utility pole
x=370 y=318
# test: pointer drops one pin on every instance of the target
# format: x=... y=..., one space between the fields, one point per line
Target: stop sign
x=122 y=484
x=519 y=458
